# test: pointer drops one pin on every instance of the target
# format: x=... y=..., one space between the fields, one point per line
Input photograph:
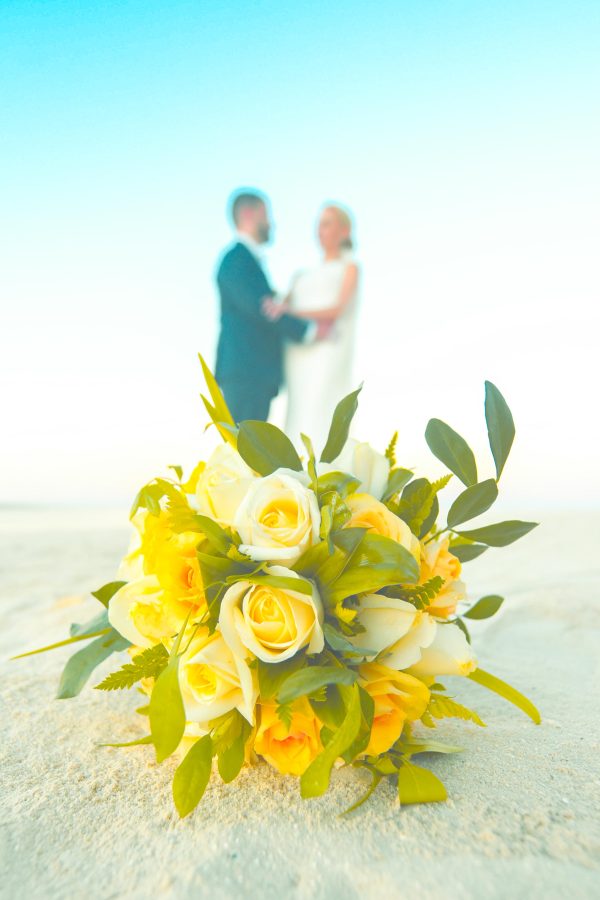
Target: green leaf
x=451 y=449
x=315 y=780
x=265 y=448
x=418 y=506
x=147 y=664
x=192 y=776
x=311 y=467
x=92 y=626
x=337 y=641
x=167 y=715
x=66 y=642
x=283 y=582
x=107 y=591
x=460 y=624
x=218 y=410
x=147 y=739
x=419 y=785
x=492 y=683
x=377 y=562
x=398 y=478
x=485 y=608
x=332 y=710
x=501 y=534
x=467 y=552
x=81 y=665
x=413 y=747
x=372 y=787
x=340 y=426
x=178 y=471
x=340 y=482
x=271 y=676
x=231 y=746
x=500 y=425
x=310 y=679
x=216 y=536
x=472 y=502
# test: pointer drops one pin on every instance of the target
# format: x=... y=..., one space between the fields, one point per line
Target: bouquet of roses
x=301 y=610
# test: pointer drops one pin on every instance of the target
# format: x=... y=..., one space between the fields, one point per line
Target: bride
x=319 y=374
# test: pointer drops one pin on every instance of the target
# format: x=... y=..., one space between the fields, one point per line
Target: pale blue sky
x=465 y=136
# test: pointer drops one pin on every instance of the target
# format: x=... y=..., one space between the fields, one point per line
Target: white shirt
x=258 y=253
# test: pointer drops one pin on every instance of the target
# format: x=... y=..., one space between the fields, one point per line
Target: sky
x=465 y=138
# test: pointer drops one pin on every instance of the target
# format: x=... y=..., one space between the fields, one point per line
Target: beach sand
x=522 y=821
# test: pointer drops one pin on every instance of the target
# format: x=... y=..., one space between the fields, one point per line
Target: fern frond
x=446 y=708
x=147 y=664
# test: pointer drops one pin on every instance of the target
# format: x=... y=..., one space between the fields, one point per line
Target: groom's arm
x=247 y=292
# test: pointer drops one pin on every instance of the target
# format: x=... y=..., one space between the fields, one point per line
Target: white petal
x=449 y=654
x=143 y=590
x=408 y=649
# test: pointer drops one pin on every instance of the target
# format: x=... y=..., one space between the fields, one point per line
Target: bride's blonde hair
x=345 y=220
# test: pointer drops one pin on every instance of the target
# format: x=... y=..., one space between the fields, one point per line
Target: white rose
x=213 y=681
x=366 y=464
x=394 y=629
x=449 y=654
x=271 y=623
x=139 y=612
x=279 y=517
x=222 y=484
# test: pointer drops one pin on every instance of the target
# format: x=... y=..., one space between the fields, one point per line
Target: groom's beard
x=263 y=234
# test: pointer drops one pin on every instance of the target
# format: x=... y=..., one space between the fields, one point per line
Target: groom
x=250 y=350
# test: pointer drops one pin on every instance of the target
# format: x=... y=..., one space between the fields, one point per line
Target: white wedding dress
x=319 y=374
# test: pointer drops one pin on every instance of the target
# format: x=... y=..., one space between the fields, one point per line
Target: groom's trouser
x=247 y=400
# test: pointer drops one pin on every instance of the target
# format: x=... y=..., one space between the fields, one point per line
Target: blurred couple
x=305 y=339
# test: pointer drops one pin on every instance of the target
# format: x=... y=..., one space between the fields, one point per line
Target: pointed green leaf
x=66 y=642
x=451 y=449
x=467 y=552
x=500 y=425
x=472 y=502
x=147 y=739
x=107 y=591
x=81 y=665
x=310 y=679
x=398 y=478
x=501 y=534
x=485 y=608
x=419 y=785
x=492 y=683
x=192 y=776
x=315 y=779
x=340 y=426
x=218 y=411
x=266 y=448
x=231 y=757
x=167 y=715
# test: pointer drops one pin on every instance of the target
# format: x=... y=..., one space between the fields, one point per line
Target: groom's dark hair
x=245 y=200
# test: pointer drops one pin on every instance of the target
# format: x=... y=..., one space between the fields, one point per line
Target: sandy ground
x=523 y=816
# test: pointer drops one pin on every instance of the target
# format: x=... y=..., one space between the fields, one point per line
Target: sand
x=523 y=815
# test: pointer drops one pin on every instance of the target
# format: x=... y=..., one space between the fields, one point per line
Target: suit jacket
x=250 y=346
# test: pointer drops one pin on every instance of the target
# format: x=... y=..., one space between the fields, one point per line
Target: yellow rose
x=394 y=628
x=448 y=654
x=290 y=750
x=222 y=484
x=271 y=623
x=397 y=697
x=150 y=534
x=178 y=571
x=363 y=462
x=376 y=517
x=279 y=517
x=436 y=559
x=143 y=613
x=213 y=681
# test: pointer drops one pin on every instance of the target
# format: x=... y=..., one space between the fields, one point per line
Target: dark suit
x=250 y=351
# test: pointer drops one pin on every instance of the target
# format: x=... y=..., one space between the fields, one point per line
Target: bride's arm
x=345 y=297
